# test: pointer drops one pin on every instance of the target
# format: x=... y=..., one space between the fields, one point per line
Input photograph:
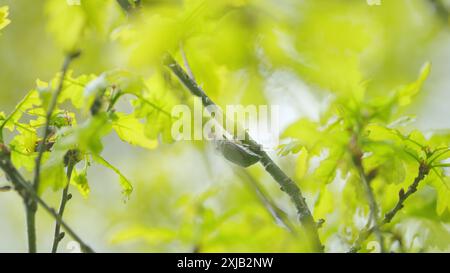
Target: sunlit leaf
x=4 y=21
x=406 y=94
x=131 y=130
x=127 y=188
x=79 y=179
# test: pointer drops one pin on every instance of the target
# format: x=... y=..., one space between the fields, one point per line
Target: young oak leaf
x=53 y=173
x=70 y=25
x=293 y=147
x=443 y=196
x=23 y=148
x=87 y=136
x=131 y=130
x=302 y=163
x=154 y=105
x=4 y=12
x=79 y=179
x=73 y=89
x=441 y=184
x=408 y=92
x=30 y=101
x=126 y=81
x=127 y=188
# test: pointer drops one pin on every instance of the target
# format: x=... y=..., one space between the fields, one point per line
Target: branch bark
x=373 y=206
x=287 y=185
x=58 y=235
x=27 y=192
x=424 y=169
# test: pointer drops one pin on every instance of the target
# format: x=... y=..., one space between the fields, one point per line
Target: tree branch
x=31 y=206
x=402 y=196
x=287 y=184
x=373 y=206
x=27 y=192
x=58 y=235
x=41 y=148
x=424 y=169
x=441 y=10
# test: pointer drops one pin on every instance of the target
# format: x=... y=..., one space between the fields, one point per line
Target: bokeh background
x=186 y=197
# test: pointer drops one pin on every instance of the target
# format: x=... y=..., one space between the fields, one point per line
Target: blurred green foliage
x=369 y=63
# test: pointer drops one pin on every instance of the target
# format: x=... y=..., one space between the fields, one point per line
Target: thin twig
x=41 y=149
x=357 y=154
x=27 y=192
x=287 y=184
x=441 y=10
x=402 y=196
x=31 y=205
x=278 y=214
x=58 y=235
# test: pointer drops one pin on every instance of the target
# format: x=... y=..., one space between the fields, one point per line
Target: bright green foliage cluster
x=92 y=99
x=363 y=61
x=4 y=21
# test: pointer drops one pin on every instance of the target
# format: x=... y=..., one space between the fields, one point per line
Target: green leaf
x=302 y=163
x=126 y=81
x=442 y=187
x=4 y=21
x=23 y=148
x=79 y=179
x=70 y=24
x=155 y=105
x=303 y=130
x=130 y=130
x=87 y=137
x=393 y=170
x=53 y=173
x=407 y=93
x=327 y=170
x=31 y=100
x=127 y=188
x=292 y=147
x=73 y=89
